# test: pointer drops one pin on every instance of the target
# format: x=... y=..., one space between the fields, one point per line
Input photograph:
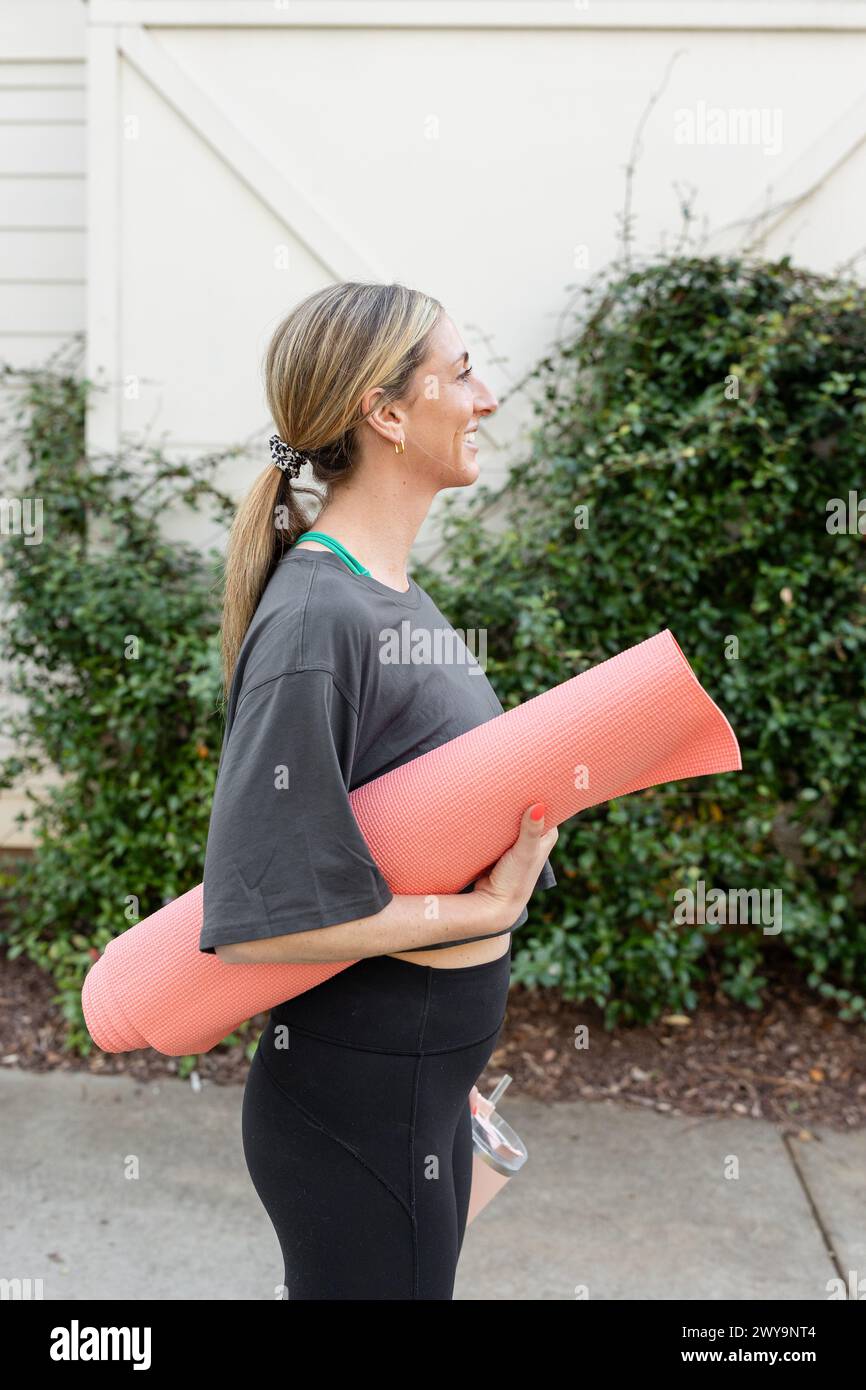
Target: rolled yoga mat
x=637 y=720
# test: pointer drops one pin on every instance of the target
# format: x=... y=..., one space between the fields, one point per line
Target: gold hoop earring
x=400 y=448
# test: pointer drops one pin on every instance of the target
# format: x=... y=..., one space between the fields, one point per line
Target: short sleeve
x=284 y=851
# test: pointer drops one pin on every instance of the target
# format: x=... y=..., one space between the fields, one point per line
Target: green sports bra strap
x=337 y=548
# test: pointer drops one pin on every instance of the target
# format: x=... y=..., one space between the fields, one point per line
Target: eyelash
x=463 y=375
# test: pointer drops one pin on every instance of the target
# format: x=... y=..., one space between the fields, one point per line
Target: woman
x=356 y=1122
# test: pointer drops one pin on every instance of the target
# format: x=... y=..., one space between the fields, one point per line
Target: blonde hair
x=329 y=350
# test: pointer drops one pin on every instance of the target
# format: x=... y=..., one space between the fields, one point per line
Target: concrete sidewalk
x=629 y=1204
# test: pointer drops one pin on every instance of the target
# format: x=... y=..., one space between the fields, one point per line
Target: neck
x=377 y=525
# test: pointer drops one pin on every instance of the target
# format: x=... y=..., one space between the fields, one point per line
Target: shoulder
x=309 y=618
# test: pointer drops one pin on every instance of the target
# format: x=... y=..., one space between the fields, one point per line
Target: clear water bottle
x=498 y=1151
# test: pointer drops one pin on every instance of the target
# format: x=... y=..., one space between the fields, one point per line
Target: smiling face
x=451 y=402
x=439 y=418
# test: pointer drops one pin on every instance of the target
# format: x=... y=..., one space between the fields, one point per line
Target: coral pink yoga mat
x=637 y=720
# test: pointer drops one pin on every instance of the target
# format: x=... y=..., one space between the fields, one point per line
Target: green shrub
x=112 y=640
x=705 y=411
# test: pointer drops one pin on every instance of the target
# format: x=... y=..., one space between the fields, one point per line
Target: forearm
x=405 y=924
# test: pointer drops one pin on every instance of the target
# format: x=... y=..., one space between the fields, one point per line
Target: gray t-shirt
x=315 y=710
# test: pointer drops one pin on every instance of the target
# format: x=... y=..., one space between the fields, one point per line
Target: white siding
x=42 y=212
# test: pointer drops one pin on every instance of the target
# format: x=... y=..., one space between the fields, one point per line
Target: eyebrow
x=462 y=358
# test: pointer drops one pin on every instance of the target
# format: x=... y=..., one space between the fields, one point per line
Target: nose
x=485 y=401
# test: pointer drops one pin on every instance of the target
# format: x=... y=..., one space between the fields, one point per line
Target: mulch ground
x=793 y=1063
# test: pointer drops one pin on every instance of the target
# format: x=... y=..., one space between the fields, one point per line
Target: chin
x=463 y=472
x=470 y=470
x=465 y=477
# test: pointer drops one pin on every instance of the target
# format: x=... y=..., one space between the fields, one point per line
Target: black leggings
x=356 y=1125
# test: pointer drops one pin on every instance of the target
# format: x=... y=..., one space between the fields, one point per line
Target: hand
x=508 y=886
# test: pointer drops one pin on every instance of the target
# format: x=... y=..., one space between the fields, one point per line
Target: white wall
x=475 y=149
